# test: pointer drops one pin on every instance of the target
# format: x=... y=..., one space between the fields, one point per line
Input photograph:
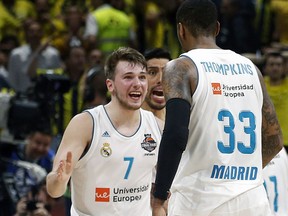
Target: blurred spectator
x=155 y=25
x=95 y=57
x=277 y=86
x=237 y=30
x=71 y=103
x=264 y=23
x=280 y=9
x=26 y=166
x=75 y=69
x=29 y=59
x=108 y=28
x=36 y=203
x=95 y=92
x=72 y=36
x=8 y=43
x=53 y=27
x=12 y=13
x=3 y=71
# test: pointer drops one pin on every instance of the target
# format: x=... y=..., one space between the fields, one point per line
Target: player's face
x=155 y=98
x=130 y=85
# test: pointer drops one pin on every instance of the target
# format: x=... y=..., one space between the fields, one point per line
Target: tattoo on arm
x=271 y=132
x=176 y=79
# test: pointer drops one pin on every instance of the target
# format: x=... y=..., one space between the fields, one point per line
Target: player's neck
x=125 y=121
x=160 y=114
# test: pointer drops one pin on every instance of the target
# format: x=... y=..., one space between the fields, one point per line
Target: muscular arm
x=75 y=139
x=272 y=140
x=178 y=88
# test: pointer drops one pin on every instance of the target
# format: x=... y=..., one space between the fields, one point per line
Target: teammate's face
x=155 y=98
x=129 y=87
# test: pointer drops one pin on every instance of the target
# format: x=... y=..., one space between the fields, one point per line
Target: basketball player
x=110 y=151
x=276 y=172
x=217 y=110
x=276 y=183
x=155 y=102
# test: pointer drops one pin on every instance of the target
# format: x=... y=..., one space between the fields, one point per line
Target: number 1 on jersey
x=130 y=160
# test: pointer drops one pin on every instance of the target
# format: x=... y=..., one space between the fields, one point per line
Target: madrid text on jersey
x=234 y=172
x=227 y=69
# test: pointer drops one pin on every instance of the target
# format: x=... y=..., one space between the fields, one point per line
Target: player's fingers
x=69 y=157
x=68 y=162
x=60 y=168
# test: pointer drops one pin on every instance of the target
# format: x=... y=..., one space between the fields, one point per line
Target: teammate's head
x=156 y=60
x=196 y=18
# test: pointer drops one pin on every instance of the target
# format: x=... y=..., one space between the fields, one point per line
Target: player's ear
x=217 y=29
x=180 y=30
x=110 y=85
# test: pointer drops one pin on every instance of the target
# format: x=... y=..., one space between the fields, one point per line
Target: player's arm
x=179 y=79
x=75 y=139
x=272 y=140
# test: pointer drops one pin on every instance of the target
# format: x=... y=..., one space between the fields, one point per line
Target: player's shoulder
x=181 y=65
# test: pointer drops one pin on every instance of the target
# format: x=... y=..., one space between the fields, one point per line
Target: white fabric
x=99 y=185
x=276 y=183
x=215 y=167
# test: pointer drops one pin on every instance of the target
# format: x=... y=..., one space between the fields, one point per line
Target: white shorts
x=251 y=203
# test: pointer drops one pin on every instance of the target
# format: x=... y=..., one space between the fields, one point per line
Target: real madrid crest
x=106 y=151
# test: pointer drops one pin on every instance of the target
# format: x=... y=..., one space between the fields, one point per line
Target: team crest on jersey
x=106 y=151
x=148 y=143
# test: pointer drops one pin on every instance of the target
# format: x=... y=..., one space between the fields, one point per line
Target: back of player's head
x=157 y=53
x=199 y=17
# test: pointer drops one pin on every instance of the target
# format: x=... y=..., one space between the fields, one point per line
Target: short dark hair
x=157 y=53
x=43 y=127
x=274 y=54
x=199 y=16
x=123 y=54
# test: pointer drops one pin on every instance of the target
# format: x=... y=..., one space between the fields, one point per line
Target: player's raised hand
x=64 y=169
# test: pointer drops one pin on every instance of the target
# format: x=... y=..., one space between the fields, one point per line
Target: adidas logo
x=105 y=134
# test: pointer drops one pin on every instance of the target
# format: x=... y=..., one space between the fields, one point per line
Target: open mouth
x=135 y=95
x=158 y=93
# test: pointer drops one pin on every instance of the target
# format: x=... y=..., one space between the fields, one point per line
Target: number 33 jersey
x=115 y=175
x=223 y=154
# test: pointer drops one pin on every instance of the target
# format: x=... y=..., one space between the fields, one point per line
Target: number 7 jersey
x=115 y=175
x=223 y=154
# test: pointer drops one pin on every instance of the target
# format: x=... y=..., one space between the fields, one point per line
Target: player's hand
x=21 y=206
x=159 y=207
x=64 y=169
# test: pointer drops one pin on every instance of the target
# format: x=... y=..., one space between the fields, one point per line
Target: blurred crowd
x=53 y=52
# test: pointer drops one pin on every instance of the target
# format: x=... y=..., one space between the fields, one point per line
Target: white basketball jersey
x=223 y=154
x=114 y=177
x=276 y=183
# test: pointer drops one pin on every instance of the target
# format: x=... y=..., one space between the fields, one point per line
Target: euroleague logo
x=148 y=143
x=102 y=194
